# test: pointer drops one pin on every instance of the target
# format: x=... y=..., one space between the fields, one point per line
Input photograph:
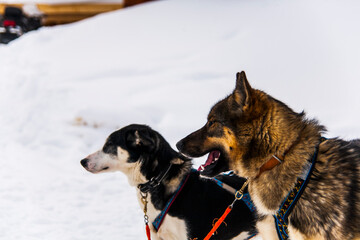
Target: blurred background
x=73 y=72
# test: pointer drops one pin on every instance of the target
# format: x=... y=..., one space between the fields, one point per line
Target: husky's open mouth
x=212 y=158
x=214 y=164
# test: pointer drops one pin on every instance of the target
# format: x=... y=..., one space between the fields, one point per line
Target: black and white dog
x=183 y=203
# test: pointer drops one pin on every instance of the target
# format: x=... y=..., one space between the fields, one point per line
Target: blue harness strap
x=246 y=196
x=160 y=218
x=247 y=200
x=282 y=215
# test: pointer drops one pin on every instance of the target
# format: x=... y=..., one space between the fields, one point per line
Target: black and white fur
x=141 y=154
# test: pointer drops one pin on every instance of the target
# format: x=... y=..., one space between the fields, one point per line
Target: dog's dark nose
x=84 y=162
x=180 y=145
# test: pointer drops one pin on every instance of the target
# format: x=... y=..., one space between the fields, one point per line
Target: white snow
x=64 y=89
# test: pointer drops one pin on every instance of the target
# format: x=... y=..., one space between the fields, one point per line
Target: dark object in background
x=14 y=24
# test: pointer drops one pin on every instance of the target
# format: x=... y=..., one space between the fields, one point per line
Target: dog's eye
x=108 y=143
x=109 y=148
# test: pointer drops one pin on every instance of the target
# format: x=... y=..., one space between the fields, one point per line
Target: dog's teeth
x=216 y=159
x=202 y=168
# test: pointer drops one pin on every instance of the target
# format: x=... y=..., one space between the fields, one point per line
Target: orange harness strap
x=238 y=196
x=218 y=222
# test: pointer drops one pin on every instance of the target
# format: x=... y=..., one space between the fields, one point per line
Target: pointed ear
x=242 y=92
x=140 y=139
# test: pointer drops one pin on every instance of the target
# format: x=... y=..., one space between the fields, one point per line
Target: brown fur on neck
x=280 y=131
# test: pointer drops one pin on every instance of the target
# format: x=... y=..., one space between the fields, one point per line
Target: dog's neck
x=285 y=132
x=173 y=182
x=294 y=139
x=163 y=192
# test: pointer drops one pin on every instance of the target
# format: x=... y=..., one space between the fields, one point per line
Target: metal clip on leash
x=146 y=217
x=238 y=195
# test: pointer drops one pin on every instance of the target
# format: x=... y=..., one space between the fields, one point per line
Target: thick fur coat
x=247 y=128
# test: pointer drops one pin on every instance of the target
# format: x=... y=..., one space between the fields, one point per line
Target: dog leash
x=146 y=217
x=160 y=218
x=144 y=189
x=246 y=196
x=238 y=196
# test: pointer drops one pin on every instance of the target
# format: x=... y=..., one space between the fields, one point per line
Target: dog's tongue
x=212 y=157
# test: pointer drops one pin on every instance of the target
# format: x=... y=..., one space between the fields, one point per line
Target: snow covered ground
x=64 y=89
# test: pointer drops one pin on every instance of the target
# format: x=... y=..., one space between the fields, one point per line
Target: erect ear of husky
x=242 y=92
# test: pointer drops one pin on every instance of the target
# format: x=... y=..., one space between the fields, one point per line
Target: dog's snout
x=84 y=162
x=180 y=145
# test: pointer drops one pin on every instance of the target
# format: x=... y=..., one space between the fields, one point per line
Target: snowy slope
x=64 y=89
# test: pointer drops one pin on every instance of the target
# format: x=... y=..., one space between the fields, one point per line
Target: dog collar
x=270 y=164
x=154 y=182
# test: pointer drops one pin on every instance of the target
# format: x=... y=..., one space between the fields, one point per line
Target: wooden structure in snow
x=62 y=13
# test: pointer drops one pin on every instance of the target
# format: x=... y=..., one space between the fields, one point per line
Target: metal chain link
x=145 y=202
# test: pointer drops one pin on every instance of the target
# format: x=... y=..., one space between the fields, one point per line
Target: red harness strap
x=218 y=222
x=147 y=228
x=238 y=196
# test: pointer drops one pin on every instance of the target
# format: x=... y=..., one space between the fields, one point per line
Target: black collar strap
x=154 y=181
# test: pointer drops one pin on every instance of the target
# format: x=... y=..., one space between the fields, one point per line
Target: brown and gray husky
x=265 y=141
